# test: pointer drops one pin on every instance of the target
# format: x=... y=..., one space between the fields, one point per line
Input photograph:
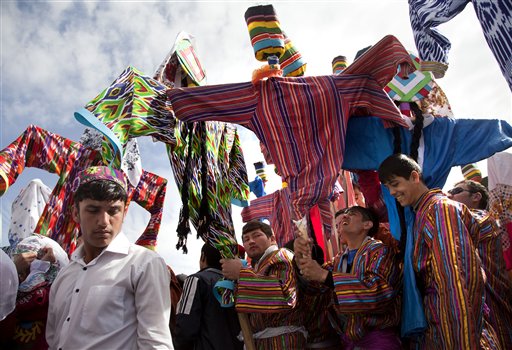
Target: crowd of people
x=113 y=294
x=381 y=259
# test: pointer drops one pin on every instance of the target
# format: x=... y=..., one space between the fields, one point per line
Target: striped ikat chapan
x=449 y=272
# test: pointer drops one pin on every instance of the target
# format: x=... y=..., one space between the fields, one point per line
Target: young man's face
x=406 y=191
x=256 y=243
x=352 y=223
x=100 y=221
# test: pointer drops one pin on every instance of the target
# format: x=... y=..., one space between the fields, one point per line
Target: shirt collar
x=120 y=245
x=268 y=251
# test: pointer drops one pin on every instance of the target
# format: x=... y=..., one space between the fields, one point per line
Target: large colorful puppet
x=206 y=157
x=302 y=123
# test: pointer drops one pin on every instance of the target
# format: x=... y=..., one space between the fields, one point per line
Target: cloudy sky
x=57 y=55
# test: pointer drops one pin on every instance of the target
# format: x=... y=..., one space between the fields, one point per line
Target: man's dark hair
x=257 y=225
x=368 y=215
x=398 y=165
x=212 y=256
x=476 y=187
x=100 y=190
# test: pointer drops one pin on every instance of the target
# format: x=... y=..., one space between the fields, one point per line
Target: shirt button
x=85 y=269
x=67 y=319
x=77 y=290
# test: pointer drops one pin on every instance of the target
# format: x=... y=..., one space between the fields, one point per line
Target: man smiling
x=364 y=282
x=113 y=294
x=445 y=260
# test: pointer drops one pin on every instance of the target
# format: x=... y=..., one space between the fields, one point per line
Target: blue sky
x=56 y=56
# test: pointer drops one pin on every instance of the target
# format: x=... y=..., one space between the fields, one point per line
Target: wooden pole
x=246 y=331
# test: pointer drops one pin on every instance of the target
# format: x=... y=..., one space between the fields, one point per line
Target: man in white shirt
x=113 y=294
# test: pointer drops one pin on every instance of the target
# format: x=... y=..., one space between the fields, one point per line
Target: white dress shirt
x=119 y=300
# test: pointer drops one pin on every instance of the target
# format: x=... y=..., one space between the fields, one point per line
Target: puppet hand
x=231 y=268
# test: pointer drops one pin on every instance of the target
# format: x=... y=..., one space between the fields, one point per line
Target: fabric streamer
x=433 y=47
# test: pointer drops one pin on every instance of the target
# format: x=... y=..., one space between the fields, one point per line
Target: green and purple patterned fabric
x=133 y=105
x=205 y=158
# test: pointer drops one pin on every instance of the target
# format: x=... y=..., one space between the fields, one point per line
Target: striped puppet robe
x=302 y=124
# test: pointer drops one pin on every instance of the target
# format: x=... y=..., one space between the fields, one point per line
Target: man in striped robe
x=364 y=281
x=445 y=260
x=267 y=290
x=498 y=293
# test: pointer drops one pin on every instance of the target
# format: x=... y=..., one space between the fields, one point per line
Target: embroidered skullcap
x=339 y=63
x=104 y=173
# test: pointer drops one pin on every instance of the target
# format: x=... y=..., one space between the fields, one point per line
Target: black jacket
x=201 y=323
